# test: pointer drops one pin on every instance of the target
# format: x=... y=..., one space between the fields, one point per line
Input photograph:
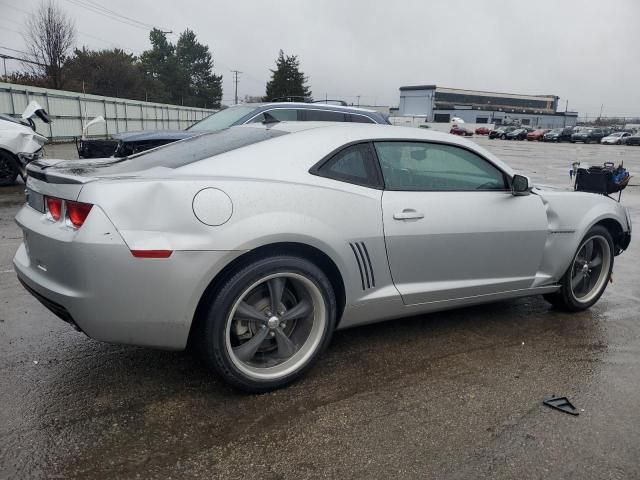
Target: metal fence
x=69 y=111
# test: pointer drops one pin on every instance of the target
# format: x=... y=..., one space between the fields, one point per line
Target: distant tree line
x=610 y=121
x=180 y=73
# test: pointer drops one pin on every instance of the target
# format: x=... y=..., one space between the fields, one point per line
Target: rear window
x=194 y=149
x=174 y=155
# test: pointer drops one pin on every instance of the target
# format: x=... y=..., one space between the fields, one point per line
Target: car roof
x=327 y=136
x=307 y=105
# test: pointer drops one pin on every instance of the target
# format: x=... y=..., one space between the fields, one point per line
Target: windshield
x=617 y=134
x=222 y=119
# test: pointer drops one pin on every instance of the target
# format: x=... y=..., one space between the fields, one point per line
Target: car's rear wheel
x=8 y=169
x=268 y=323
x=587 y=277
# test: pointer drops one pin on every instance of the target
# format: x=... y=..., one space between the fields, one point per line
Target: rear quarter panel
x=323 y=213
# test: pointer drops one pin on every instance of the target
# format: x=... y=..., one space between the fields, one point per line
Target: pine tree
x=182 y=73
x=287 y=80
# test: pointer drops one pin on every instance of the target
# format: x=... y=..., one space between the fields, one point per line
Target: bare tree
x=50 y=38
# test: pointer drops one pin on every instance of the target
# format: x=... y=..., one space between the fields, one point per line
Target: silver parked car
x=256 y=242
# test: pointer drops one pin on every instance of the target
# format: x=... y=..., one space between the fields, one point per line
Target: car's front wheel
x=589 y=272
x=268 y=323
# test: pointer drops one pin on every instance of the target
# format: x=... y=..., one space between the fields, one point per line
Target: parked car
x=458 y=130
x=129 y=143
x=20 y=143
x=616 y=138
x=633 y=139
x=517 y=134
x=537 y=134
x=558 y=135
x=483 y=131
x=501 y=132
x=231 y=239
x=589 y=135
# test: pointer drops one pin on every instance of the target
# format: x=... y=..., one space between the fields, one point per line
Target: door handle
x=408 y=214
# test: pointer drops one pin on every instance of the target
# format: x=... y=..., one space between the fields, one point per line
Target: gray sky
x=585 y=51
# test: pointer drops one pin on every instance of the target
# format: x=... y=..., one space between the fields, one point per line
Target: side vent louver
x=364 y=264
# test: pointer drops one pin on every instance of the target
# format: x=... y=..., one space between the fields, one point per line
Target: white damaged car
x=20 y=143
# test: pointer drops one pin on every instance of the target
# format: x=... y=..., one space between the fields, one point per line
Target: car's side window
x=280 y=114
x=324 y=116
x=360 y=118
x=353 y=164
x=421 y=166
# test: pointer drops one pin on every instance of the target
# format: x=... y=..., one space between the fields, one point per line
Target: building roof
x=475 y=92
x=418 y=87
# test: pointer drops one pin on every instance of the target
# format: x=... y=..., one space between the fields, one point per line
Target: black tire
x=8 y=169
x=565 y=298
x=213 y=330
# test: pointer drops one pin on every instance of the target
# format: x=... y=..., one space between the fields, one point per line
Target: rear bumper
x=90 y=279
x=58 y=310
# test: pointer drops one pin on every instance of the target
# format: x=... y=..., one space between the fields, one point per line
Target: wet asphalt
x=449 y=395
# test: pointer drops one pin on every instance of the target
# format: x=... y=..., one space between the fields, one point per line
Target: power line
x=10 y=57
x=113 y=12
x=85 y=34
x=105 y=12
x=235 y=74
x=14 y=50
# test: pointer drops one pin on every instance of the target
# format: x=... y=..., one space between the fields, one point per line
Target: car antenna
x=268 y=119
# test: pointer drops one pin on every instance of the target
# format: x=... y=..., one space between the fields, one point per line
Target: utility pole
x=601 y=108
x=358 y=100
x=235 y=76
x=4 y=61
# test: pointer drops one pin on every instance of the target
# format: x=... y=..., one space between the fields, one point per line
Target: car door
x=452 y=227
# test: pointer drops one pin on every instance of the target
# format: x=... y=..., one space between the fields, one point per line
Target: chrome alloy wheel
x=590 y=269
x=275 y=326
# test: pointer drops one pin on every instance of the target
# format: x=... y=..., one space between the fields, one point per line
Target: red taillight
x=54 y=206
x=152 y=253
x=77 y=212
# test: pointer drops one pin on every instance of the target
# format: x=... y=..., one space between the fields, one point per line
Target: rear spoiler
x=39 y=170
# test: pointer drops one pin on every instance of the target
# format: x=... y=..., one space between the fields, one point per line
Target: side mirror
x=519 y=185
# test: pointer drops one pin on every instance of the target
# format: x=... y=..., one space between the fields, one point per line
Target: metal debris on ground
x=561 y=403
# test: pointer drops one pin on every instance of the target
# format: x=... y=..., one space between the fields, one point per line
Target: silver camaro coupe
x=256 y=242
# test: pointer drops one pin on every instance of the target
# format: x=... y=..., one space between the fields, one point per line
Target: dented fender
x=570 y=215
